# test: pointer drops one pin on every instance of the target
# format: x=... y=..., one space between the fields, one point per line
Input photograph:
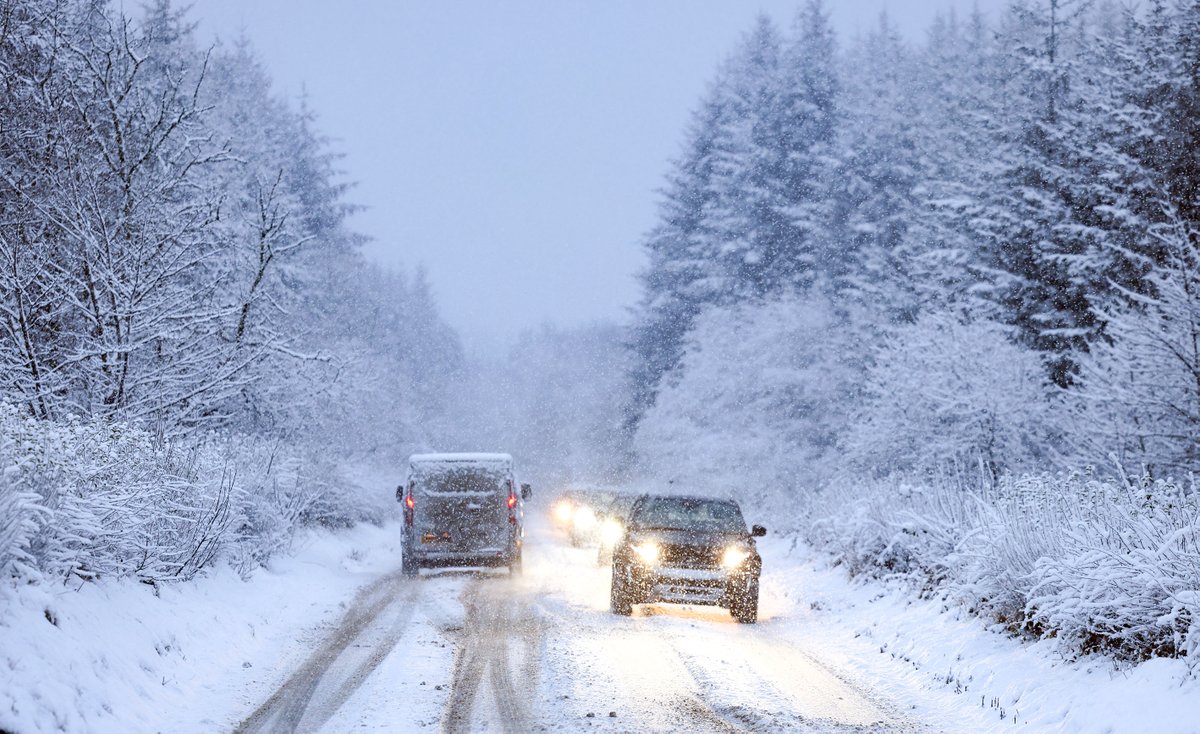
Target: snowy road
x=467 y=651
x=368 y=633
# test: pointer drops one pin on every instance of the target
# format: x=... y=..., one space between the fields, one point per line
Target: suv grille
x=691 y=556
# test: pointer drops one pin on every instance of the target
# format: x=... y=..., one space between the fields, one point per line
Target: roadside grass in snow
x=1103 y=565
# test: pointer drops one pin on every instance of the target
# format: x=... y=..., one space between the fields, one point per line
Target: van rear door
x=462 y=510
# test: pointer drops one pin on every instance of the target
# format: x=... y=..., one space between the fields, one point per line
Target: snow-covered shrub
x=267 y=514
x=95 y=499
x=942 y=391
x=21 y=515
x=911 y=531
x=111 y=499
x=1019 y=521
x=756 y=406
x=1100 y=563
x=276 y=495
x=1140 y=397
x=327 y=498
x=1127 y=576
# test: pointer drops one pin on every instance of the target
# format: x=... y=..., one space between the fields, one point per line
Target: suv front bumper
x=712 y=587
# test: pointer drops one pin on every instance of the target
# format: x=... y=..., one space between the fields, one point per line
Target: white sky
x=512 y=146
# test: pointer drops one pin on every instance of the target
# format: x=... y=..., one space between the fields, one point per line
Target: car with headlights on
x=613 y=518
x=563 y=509
x=580 y=511
x=687 y=550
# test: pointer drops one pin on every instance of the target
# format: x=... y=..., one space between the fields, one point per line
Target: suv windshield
x=621 y=505
x=689 y=513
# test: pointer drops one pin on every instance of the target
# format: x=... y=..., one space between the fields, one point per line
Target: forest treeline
x=196 y=360
x=191 y=342
x=955 y=236
x=941 y=300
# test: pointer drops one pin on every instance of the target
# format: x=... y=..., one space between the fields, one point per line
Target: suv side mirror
x=526 y=491
x=757 y=531
x=400 y=493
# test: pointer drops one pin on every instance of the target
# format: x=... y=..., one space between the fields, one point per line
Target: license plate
x=428 y=538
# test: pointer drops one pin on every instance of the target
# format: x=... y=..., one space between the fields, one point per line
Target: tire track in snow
x=496 y=617
x=628 y=666
x=328 y=677
x=790 y=689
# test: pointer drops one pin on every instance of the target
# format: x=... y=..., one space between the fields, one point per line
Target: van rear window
x=464 y=480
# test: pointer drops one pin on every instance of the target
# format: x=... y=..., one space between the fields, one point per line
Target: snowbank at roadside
x=124 y=657
x=198 y=657
x=979 y=677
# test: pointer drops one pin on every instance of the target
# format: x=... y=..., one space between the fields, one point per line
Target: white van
x=462 y=510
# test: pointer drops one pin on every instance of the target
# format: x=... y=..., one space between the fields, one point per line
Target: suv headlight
x=734 y=556
x=647 y=551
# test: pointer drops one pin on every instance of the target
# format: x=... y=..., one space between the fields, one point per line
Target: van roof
x=463 y=458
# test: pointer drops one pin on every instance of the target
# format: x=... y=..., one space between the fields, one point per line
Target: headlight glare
x=734 y=556
x=563 y=511
x=585 y=517
x=647 y=551
x=610 y=532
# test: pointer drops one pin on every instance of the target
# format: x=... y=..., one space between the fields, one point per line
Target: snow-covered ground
x=196 y=657
x=465 y=651
x=986 y=677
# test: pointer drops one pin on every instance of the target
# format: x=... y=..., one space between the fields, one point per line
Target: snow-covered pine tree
x=1138 y=400
x=809 y=118
x=1114 y=140
x=1181 y=119
x=955 y=125
x=745 y=207
x=879 y=167
x=682 y=277
x=1029 y=216
x=742 y=235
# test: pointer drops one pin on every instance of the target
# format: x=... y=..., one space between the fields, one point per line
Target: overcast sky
x=513 y=147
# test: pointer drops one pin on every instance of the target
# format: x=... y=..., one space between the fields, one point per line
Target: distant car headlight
x=585 y=518
x=564 y=511
x=648 y=551
x=734 y=556
x=611 y=532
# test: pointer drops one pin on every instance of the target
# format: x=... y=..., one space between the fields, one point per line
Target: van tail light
x=512 y=503
x=408 y=509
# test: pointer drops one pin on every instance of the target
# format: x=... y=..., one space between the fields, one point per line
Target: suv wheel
x=745 y=605
x=515 y=564
x=619 y=597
